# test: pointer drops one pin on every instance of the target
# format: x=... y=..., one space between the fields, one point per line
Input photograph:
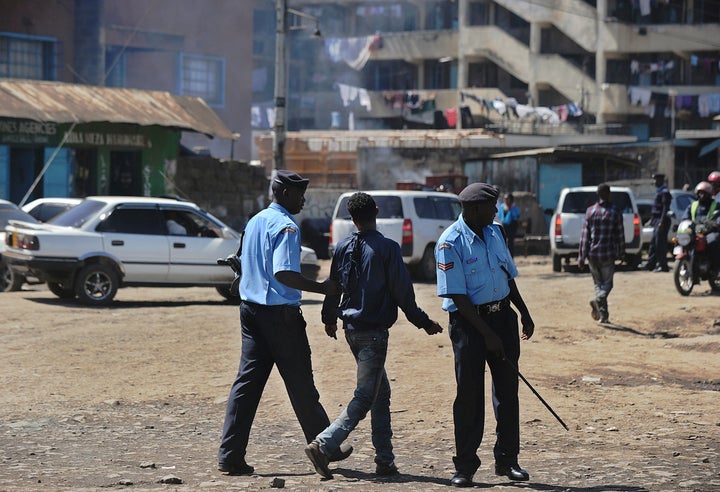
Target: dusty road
x=123 y=397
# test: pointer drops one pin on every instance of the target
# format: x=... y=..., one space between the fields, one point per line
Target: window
x=28 y=57
x=203 y=76
x=187 y=223
x=437 y=208
x=132 y=221
x=115 y=67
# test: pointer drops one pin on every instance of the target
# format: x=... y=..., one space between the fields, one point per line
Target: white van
x=567 y=221
x=413 y=219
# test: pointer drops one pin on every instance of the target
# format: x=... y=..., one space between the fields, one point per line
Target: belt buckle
x=494 y=308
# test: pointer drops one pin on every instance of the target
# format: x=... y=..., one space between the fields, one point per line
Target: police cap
x=290 y=178
x=479 y=192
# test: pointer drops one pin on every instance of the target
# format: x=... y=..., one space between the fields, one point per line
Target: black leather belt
x=493 y=307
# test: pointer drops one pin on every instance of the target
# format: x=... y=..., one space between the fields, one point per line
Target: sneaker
x=385 y=470
x=595 y=313
x=318 y=459
x=604 y=321
x=344 y=452
x=240 y=469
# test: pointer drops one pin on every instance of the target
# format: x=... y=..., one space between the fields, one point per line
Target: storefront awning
x=73 y=103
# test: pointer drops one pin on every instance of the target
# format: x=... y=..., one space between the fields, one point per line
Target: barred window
x=203 y=76
x=27 y=57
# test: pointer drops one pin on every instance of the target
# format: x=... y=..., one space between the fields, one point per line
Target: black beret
x=479 y=192
x=290 y=178
x=658 y=176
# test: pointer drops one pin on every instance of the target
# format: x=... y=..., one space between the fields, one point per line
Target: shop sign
x=26 y=132
x=21 y=132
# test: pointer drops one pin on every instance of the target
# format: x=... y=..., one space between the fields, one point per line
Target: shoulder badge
x=446 y=266
x=289 y=229
x=445 y=246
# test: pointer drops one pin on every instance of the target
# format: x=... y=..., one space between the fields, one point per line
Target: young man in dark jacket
x=375 y=283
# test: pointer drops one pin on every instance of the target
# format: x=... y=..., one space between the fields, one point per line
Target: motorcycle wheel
x=683 y=276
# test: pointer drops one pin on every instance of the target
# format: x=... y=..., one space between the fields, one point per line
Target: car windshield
x=578 y=202
x=78 y=215
x=9 y=213
x=389 y=207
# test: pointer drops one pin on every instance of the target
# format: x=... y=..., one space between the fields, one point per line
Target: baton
x=538 y=395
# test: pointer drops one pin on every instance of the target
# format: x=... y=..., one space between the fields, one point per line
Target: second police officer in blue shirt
x=476 y=278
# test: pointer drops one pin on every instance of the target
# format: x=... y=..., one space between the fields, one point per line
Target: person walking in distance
x=272 y=325
x=375 y=283
x=509 y=215
x=476 y=278
x=657 y=253
x=602 y=241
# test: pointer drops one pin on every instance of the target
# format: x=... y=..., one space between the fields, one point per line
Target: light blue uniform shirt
x=271 y=245
x=468 y=265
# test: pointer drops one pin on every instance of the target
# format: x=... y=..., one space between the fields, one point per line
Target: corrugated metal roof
x=73 y=103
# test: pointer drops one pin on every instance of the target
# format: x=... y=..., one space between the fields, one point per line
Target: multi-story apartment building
x=647 y=68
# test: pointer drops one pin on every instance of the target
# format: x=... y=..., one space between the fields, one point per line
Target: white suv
x=567 y=221
x=413 y=219
x=107 y=242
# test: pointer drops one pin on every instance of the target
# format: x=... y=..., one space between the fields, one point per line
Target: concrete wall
x=232 y=191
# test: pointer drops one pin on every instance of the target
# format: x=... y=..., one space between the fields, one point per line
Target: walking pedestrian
x=375 y=283
x=509 y=215
x=660 y=220
x=602 y=241
x=272 y=324
x=476 y=278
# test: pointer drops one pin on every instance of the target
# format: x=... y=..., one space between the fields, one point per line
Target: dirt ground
x=128 y=396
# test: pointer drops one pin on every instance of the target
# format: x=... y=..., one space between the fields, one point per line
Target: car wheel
x=9 y=280
x=633 y=261
x=60 y=291
x=557 y=263
x=427 y=267
x=96 y=284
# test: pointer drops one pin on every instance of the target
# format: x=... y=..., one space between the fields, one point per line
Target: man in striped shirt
x=602 y=242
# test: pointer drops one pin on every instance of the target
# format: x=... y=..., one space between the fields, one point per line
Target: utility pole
x=461 y=68
x=281 y=87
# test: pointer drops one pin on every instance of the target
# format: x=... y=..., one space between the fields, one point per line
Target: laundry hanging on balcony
x=353 y=51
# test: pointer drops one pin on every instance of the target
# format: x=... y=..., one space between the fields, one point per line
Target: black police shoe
x=241 y=468
x=461 y=480
x=513 y=472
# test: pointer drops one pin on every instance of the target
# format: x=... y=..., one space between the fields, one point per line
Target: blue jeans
x=602 y=275
x=369 y=347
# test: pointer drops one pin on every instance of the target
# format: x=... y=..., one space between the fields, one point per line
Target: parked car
x=108 y=242
x=681 y=199
x=44 y=209
x=9 y=280
x=567 y=220
x=413 y=219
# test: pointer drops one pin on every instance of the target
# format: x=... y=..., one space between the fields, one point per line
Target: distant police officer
x=475 y=275
x=273 y=328
x=660 y=220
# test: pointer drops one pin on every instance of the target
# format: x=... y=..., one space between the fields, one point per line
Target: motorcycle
x=692 y=262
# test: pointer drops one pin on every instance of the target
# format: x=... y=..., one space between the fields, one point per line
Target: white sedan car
x=108 y=242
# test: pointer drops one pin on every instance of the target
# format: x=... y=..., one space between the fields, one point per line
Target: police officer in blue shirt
x=273 y=327
x=476 y=278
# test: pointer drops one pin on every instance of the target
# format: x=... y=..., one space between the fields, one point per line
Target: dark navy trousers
x=471 y=356
x=271 y=335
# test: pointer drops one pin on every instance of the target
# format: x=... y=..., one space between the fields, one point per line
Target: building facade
x=646 y=69
x=187 y=48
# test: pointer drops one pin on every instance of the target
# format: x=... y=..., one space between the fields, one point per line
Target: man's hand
x=581 y=265
x=494 y=345
x=528 y=327
x=433 y=329
x=331 y=287
x=331 y=330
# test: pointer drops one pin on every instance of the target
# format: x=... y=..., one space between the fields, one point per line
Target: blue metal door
x=552 y=179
